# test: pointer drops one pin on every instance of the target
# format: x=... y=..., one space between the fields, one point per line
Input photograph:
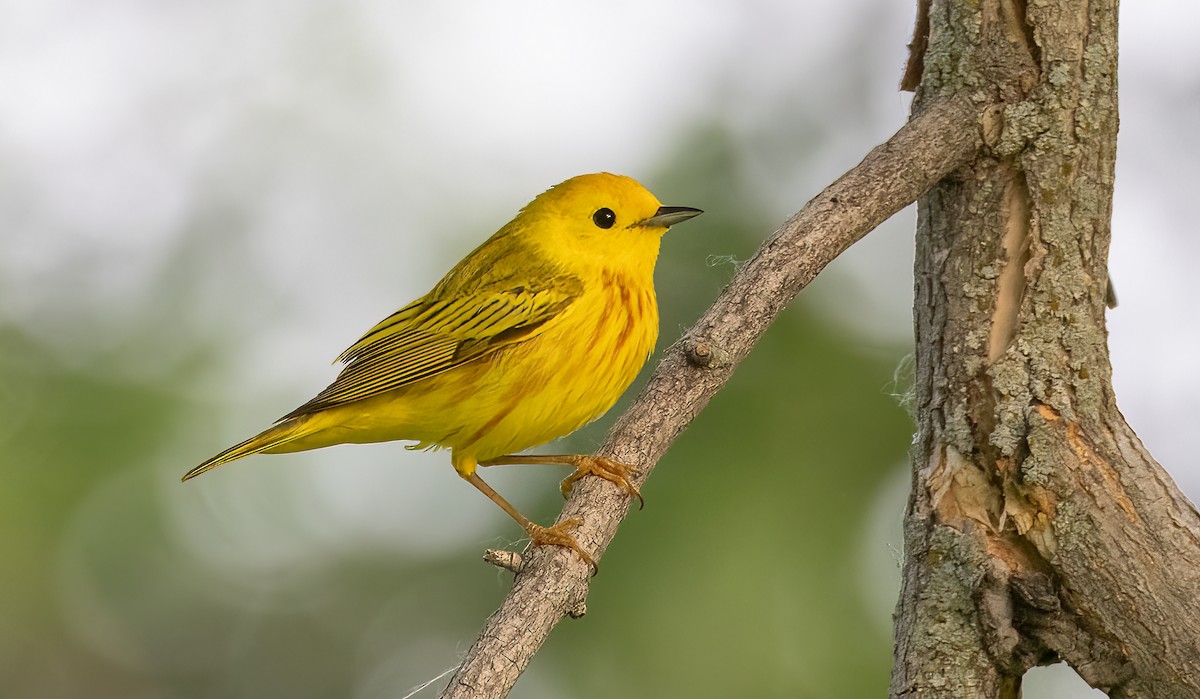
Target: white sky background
x=384 y=137
x=380 y=140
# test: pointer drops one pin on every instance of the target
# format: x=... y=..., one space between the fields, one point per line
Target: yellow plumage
x=534 y=334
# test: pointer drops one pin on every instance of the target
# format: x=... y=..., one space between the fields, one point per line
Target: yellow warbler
x=533 y=335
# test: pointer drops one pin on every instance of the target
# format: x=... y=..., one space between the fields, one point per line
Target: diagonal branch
x=553 y=582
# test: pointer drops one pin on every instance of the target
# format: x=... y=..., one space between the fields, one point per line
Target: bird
x=534 y=334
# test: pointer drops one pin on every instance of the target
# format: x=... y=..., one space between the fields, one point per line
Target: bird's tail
x=272 y=438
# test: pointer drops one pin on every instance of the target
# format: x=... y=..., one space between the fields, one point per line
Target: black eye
x=604 y=218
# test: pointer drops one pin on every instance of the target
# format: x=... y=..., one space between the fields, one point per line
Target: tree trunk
x=1039 y=529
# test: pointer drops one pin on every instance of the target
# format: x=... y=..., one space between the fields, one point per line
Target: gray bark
x=1039 y=529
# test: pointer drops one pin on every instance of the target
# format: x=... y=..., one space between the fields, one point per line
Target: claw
x=610 y=470
x=557 y=536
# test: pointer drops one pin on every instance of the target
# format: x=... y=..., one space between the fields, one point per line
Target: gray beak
x=668 y=216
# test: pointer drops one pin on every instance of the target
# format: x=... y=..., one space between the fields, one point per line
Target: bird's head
x=604 y=219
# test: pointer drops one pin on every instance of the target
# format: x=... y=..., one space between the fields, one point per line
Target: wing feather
x=403 y=315
x=431 y=336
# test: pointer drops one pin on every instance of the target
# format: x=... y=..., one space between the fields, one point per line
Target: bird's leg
x=555 y=535
x=610 y=470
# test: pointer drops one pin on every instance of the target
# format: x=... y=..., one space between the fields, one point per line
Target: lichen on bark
x=1024 y=470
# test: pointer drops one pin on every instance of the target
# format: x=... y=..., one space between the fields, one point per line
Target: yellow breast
x=569 y=375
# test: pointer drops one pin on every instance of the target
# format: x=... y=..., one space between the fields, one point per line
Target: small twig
x=553 y=581
x=508 y=560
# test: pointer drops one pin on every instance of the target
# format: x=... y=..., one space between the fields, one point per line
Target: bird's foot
x=556 y=535
x=610 y=470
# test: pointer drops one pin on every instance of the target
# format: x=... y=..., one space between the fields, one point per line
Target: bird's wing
x=430 y=336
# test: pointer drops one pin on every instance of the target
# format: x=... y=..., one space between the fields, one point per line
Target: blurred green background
x=202 y=203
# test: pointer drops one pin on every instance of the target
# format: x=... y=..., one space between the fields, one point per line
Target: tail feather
x=269 y=439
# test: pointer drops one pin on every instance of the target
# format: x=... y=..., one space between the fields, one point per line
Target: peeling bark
x=1039 y=529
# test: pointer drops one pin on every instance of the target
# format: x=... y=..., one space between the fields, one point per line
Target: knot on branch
x=704 y=354
x=1027 y=619
x=1014 y=594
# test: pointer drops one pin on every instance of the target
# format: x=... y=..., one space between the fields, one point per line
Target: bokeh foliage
x=742 y=576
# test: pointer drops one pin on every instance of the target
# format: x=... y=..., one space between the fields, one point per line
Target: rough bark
x=552 y=582
x=1039 y=529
